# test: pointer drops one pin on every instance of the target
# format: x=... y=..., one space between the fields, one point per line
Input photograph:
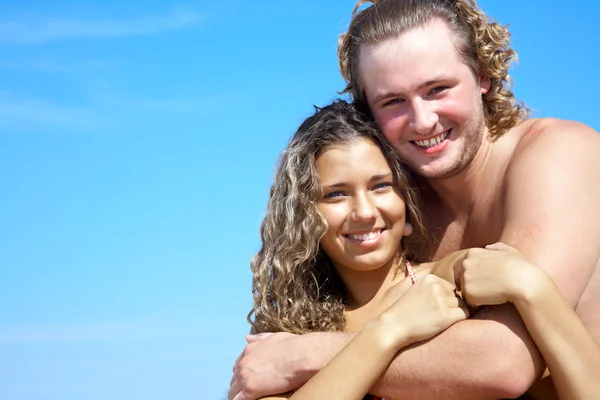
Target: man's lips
x=433 y=141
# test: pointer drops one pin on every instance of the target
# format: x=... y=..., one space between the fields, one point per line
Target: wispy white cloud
x=37 y=29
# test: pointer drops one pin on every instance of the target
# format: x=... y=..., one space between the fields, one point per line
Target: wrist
x=532 y=284
x=389 y=334
x=311 y=354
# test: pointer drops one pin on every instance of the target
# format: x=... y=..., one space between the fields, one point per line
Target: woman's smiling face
x=364 y=211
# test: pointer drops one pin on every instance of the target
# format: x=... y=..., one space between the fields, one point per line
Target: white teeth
x=365 y=236
x=431 y=142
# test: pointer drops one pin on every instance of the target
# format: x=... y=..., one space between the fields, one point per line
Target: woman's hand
x=497 y=274
x=429 y=307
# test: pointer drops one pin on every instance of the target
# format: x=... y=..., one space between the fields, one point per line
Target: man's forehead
x=433 y=36
x=406 y=62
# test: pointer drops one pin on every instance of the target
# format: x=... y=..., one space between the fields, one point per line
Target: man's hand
x=270 y=364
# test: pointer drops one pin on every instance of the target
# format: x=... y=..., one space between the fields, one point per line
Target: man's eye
x=392 y=102
x=438 y=89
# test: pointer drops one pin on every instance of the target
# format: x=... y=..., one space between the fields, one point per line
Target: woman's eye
x=382 y=185
x=333 y=195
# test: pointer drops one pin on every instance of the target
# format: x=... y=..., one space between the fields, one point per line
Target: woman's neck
x=364 y=287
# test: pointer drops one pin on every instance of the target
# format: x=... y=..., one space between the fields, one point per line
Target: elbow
x=512 y=376
x=511 y=386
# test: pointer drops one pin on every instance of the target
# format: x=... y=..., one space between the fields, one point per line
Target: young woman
x=341 y=229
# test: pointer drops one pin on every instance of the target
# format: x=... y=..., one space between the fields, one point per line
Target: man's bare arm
x=551 y=207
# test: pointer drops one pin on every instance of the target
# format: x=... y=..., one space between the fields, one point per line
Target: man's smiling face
x=425 y=98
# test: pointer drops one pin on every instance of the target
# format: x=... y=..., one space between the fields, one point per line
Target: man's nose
x=423 y=116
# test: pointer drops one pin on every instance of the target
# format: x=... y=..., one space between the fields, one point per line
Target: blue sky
x=137 y=145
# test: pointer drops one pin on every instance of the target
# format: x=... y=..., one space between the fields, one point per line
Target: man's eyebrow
x=430 y=82
x=385 y=95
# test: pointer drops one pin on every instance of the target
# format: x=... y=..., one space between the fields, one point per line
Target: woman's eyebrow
x=374 y=178
x=334 y=185
x=380 y=177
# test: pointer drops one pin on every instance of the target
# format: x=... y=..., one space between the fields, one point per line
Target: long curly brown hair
x=294 y=286
x=482 y=44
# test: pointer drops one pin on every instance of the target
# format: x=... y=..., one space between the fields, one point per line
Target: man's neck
x=460 y=192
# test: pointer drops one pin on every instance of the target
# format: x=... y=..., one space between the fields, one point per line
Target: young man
x=433 y=74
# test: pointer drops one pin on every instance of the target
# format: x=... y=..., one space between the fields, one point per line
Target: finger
x=462 y=302
x=449 y=288
x=472 y=252
x=463 y=288
x=257 y=337
x=452 y=302
x=234 y=390
x=455 y=300
x=463 y=313
x=497 y=246
x=456 y=315
x=473 y=301
x=240 y=396
x=458 y=270
x=236 y=363
x=233 y=378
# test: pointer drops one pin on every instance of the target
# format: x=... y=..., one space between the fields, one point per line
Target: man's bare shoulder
x=549 y=143
x=553 y=134
x=550 y=199
x=554 y=154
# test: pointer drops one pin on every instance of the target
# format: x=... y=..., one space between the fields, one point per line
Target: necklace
x=411 y=273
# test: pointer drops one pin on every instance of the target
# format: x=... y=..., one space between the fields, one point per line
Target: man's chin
x=435 y=170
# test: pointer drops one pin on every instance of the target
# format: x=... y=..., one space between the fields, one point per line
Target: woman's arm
x=571 y=354
x=500 y=274
x=426 y=309
x=353 y=371
x=445 y=268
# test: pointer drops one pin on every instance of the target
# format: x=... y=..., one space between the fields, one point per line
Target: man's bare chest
x=453 y=233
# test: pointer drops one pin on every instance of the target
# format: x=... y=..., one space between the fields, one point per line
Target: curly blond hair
x=294 y=285
x=482 y=44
